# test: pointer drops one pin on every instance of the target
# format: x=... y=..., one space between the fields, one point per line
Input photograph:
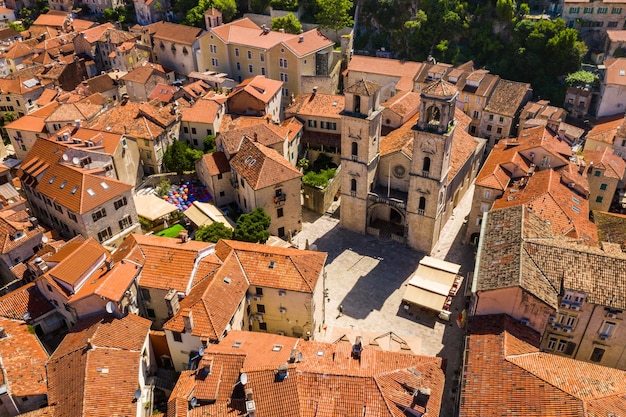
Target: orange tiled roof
x=614 y=166
x=202 y=111
x=96 y=366
x=23 y=359
x=259 y=87
x=317 y=104
x=405 y=103
x=400 y=139
x=605 y=132
x=138 y=120
x=216 y=163
x=328 y=380
x=261 y=166
x=615 y=71
x=168 y=263
x=71 y=187
x=176 y=33
x=143 y=73
x=406 y=71
x=72 y=270
x=245 y=32
x=24 y=299
x=503 y=360
x=11 y=224
x=292 y=269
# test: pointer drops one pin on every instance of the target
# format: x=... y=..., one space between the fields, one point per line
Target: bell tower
x=432 y=146
x=360 y=148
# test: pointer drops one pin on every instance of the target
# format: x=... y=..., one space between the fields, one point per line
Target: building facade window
x=120 y=203
x=99 y=214
x=104 y=234
x=597 y=354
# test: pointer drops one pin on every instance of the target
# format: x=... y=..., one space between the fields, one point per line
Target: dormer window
x=18 y=235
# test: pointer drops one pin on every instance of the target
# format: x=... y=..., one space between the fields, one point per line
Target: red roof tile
x=23 y=359
x=24 y=299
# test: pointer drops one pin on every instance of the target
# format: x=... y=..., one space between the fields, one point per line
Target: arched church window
x=426 y=166
x=355 y=149
x=422 y=205
x=353 y=185
x=357 y=104
x=434 y=115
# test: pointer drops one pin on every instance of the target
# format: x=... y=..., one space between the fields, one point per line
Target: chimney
x=188 y=320
x=301 y=39
x=281 y=30
x=78 y=123
x=183 y=235
x=110 y=264
x=256 y=138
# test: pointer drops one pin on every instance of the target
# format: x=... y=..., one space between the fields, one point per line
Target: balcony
x=394 y=198
x=280 y=199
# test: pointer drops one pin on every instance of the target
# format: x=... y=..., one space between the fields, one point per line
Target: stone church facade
x=404 y=186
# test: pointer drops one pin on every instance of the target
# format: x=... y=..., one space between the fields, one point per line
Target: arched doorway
x=385 y=220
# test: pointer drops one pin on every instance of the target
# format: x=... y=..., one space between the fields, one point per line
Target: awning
x=431 y=283
x=424 y=298
x=151 y=207
x=203 y=214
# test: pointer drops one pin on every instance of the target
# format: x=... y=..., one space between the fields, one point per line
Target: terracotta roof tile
x=143 y=73
x=168 y=263
x=402 y=69
x=362 y=88
x=507 y=97
x=261 y=166
x=292 y=269
x=605 y=132
x=440 y=88
x=23 y=359
x=614 y=166
x=403 y=104
x=173 y=32
x=24 y=299
x=216 y=163
x=327 y=382
x=259 y=87
x=202 y=111
x=95 y=381
x=13 y=224
x=615 y=71
x=531 y=381
x=317 y=104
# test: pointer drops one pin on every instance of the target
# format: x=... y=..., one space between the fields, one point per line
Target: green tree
x=505 y=10
x=194 y=13
x=9 y=116
x=209 y=144
x=214 y=232
x=18 y=27
x=253 y=227
x=334 y=14
x=289 y=23
x=581 y=78
x=179 y=157
x=291 y=5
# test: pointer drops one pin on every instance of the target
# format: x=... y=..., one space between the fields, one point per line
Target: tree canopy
x=214 y=232
x=289 y=23
x=194 y=12
x=581 y=78
x=334 y=14
x=179 y=157
x=253 y=227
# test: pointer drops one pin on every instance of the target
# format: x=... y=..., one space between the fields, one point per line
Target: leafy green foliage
x=213 y=232
x=289 y=5
x=17 y=27
x=319 y=179
x=334 y=14
x=179 y=157
x=253 y=227
x=289 y=23
x=581 y=78
x=505 y=9
x=209 y=144
x=194 y=12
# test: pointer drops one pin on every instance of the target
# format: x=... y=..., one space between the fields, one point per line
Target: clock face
x=399 y=171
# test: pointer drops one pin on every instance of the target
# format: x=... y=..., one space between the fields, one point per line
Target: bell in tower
x=437 y=107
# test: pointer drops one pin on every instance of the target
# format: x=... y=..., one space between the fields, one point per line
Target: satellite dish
x=193 y=402
x=201 y=351
x=26 y=316
x=65 y=157
x=137 y=394
x=243 y=378
x=44 y=239
x=75 y=160
x=110 y=307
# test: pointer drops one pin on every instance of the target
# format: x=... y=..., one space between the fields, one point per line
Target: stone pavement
x=367 y=278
